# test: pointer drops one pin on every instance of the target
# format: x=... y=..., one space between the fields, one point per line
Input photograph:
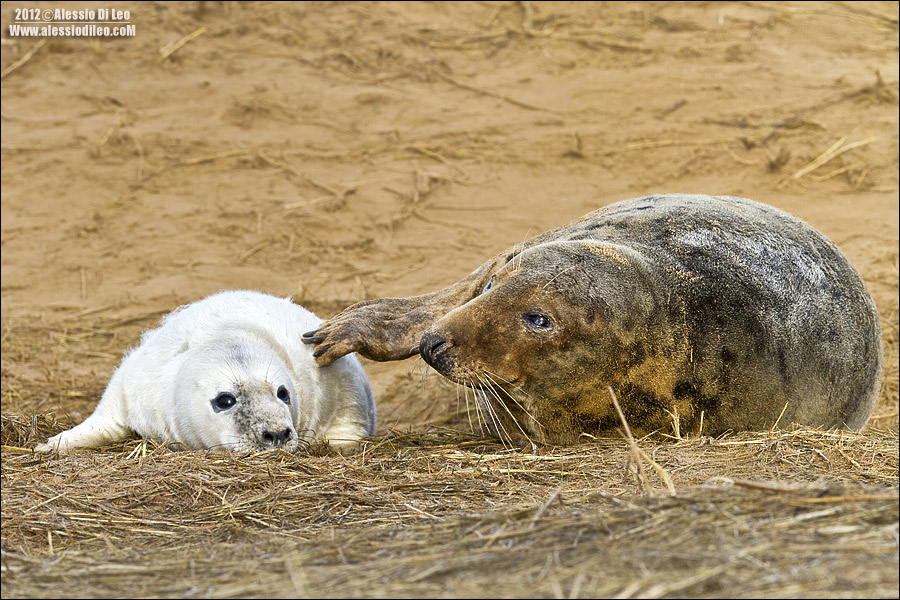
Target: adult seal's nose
x=433 y=349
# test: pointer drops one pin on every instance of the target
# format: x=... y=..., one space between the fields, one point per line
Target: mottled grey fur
x=693 y=308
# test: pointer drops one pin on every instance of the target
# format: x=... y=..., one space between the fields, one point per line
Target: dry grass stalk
x=484 y=92
x=833 y=152
x=335 y=193
x=668 y=142
x=214 y=157
x=635 y=451
x=24 y=59
x=527 y=15
x=169 y=49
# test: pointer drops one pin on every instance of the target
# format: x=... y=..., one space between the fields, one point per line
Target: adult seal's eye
x=490 y=284
x=538 y=320
x=283 y=394
x=223 y=401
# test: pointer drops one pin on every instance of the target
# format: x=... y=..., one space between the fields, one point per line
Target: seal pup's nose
x=276 y=439
x=433 y=349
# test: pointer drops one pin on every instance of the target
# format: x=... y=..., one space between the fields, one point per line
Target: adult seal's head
x=550 y=330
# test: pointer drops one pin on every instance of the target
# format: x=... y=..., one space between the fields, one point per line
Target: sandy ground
x=343 y=151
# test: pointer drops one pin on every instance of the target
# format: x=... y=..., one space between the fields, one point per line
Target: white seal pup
x=230 y=372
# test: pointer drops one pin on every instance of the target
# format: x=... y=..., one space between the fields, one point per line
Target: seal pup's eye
x=490 y=284
x=283 y=394
x=223 y=401
x=538 y=320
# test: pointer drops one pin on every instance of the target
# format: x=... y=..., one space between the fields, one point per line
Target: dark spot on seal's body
x=635 y=354
x=684 y=390
x=641 y=406
x=708 y=405
x=593 y=424
x=606 y=425
x=783 y=364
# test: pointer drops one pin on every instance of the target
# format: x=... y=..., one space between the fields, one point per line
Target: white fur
x=242 y=343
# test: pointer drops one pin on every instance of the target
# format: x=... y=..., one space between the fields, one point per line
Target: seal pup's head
x=237 y=394
x=552 y=328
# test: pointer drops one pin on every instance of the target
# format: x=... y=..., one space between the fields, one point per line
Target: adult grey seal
x=230 y=372
x=707 y=310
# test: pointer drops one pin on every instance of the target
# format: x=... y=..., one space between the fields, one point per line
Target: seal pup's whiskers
x=482 y=390
x=226 y=445
x=490 y=390
x=235 y=380
x=468 y=410
x=269 y=366
x=411 y=370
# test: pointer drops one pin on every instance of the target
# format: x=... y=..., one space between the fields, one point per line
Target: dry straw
x=442 y=512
